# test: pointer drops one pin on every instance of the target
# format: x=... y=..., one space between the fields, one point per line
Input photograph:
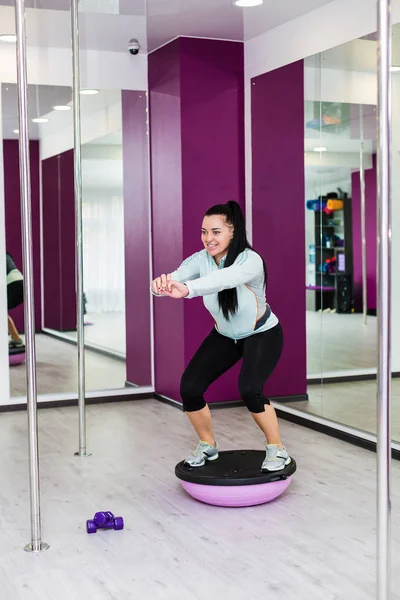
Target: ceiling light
x=89 y=92
x=62 y=107
x=9 y=38
x=394 y=69
x=40 y=120
x=320 y=149
x=248 y=3
x=16 y=130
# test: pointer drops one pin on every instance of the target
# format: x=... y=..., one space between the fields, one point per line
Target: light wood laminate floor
x=105 y=330
x=340 y=342
x=352 y=404
x=57 y=369
x=316 y=542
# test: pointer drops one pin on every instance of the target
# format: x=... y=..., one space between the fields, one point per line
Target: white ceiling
x=116 y=21
x=167 y=19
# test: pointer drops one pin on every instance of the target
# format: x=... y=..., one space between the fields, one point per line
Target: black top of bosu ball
x=12 y=351
x=233 y=467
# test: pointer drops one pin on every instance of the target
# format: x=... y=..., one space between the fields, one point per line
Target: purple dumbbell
x=104 y=520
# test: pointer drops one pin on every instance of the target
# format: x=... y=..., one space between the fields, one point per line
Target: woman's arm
x=247 y=266
x=188 y=270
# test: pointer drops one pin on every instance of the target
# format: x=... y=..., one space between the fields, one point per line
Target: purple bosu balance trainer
x=16 y=356
x=235 y=479
x=104 y=520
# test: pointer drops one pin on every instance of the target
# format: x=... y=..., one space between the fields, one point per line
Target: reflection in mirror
x=103 y=238
x=116 y=197
x=334 y=249
x=334 y=257
x=56 y=361
x=340 y=168
x=52 y=189
x=103 y=227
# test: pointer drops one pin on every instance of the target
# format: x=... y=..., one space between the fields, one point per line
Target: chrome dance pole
x=78 y=227
x=384 y=304
x=36 y=544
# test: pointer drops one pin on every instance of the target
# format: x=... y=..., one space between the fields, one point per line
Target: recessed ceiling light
x=89 y=92
x=62 y=107
x=9 y=38
x=248 y=3
x=320 y=149
x=16 y=130
x=40 y=120
x=394 y=69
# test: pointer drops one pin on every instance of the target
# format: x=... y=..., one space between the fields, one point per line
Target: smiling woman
x=220 y=102
x=231 y=277
x=216 y=235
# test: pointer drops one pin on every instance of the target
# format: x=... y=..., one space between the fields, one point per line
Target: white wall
x=333 y=24
x=53 y=66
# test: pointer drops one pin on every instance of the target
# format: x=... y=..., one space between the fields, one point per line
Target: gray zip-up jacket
x=204 y=278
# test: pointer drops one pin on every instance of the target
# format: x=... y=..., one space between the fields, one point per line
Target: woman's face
x=216 y=236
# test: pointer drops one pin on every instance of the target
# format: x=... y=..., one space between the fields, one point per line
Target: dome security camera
x=133 y=47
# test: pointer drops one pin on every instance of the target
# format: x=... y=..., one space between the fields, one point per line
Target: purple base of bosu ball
x=17 y=359
x=235 y=479
x=236 y=496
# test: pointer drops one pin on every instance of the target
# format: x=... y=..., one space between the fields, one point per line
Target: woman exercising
x=15 y=297
x=232 y=277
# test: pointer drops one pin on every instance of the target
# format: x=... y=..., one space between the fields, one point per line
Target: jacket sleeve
x=247 y=267
x=189 y=269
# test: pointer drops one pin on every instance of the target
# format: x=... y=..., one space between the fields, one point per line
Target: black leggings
x=15 y=294
x=218 y=353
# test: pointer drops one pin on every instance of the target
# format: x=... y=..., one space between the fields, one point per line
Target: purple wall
x=59 y=242
x=137 y=234
x=277 y=105
x=197 y=135
x=370 y=231
x=13 y=219
x=166 y=181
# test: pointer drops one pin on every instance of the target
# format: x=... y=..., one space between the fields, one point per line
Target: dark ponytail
x=233 y=214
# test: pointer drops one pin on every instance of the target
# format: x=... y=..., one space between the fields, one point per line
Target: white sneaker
x=204 y=452
x=276 y=458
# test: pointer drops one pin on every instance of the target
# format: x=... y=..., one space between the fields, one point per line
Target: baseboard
x=74 y=402
x=294 y=398
x=88 y=345
x=333 y=432
x=347 y=378
x=169 y=401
